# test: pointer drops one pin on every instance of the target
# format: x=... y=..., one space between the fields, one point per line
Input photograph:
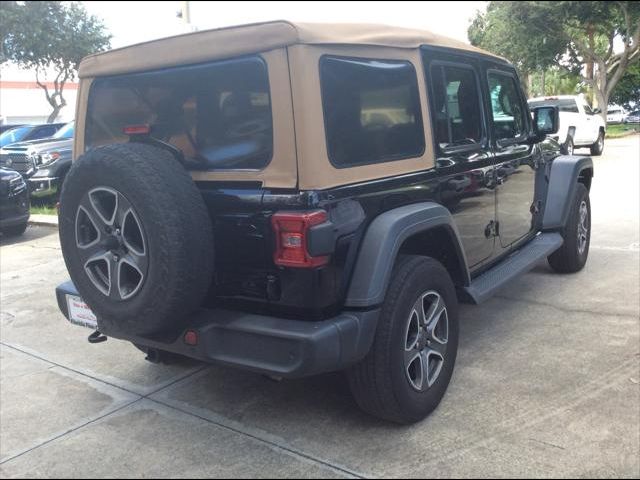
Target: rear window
x=564 y=104
x=371 y=111
x=218 y=114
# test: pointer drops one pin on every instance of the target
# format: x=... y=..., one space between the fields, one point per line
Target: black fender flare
x=381 y=243
x=563 y=181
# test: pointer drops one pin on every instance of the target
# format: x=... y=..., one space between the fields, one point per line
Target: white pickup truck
x=580 y=126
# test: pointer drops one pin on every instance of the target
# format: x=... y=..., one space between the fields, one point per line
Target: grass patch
x=43 y=210
x=621 y=130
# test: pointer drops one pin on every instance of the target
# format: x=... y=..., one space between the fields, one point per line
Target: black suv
x=298 y=199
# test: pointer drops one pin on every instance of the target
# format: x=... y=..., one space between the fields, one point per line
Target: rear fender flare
x=381 y=244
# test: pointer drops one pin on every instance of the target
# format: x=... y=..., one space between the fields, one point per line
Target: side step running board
x=519 y=262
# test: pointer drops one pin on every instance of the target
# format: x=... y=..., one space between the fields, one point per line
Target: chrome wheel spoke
x=132 y=235
x=105 y=203
x=99 y=269
x=432 y=365
x=129 y=277
x=415 y=371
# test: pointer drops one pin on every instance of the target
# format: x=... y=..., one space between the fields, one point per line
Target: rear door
x=463 y=154
x=515 y=159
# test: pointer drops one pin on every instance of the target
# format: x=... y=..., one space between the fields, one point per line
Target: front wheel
x=598 y=147
x=406 y=373
x=572 y=256
x=568 y=147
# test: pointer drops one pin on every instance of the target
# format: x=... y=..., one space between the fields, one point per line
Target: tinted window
x=506 y=105
x=65 y=132
x=14 y=135
x=564 y=105
x=371 y=110
x=43 y=132
x=218 y=114
x=456 y=105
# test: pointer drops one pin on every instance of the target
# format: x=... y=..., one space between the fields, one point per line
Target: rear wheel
x=598 y=147
x=406 y=373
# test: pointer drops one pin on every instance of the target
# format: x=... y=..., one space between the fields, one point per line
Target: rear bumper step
x=271 y=345
x=517 y=263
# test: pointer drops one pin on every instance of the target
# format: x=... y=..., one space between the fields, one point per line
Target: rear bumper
x=271 y=345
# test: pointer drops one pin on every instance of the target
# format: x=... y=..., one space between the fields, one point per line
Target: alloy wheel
x=111 y=243
x=426 y=337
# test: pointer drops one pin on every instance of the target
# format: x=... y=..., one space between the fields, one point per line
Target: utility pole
x=185 y=14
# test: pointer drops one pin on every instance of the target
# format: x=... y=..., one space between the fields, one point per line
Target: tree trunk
x=54 y=114
x=542 y=86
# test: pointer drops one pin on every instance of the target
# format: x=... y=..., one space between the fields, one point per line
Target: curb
x=44 y=220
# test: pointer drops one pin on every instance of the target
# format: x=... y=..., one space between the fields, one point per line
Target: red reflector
x=191 y=338
x=291 y=231
x=136 y=130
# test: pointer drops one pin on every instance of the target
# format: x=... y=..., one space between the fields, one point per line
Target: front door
x=463 y=154
x=516 y=159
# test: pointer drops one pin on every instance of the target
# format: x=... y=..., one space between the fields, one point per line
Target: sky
x=139 y=21
x=135 y=21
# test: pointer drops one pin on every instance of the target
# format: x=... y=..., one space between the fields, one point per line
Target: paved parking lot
x=546 y=384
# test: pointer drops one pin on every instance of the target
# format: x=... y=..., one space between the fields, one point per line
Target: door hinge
x=492 y=229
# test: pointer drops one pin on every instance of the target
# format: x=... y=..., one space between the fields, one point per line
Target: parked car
x=14 y=204
x=580 y=126
x=4 y=128
x=234 y=201
x=633 y=117
x=43 y=162
x=28 y=132
x=616 y=114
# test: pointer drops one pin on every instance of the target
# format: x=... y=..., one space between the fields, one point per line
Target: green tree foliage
x=570 y=34
x=50 y=36
x=627 y=91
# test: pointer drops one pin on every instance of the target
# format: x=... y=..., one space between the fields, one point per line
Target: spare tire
x=136 y=238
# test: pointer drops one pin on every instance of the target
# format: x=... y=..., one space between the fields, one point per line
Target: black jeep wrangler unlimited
x=298 y=199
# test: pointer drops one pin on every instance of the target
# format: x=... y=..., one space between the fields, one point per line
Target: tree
x=627 y=91
x=50 y=36
x=579 y=36
x=506 y=29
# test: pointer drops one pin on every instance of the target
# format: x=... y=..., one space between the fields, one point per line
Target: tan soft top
x=228 y=42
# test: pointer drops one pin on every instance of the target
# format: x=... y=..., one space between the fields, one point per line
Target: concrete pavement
x=546 y=383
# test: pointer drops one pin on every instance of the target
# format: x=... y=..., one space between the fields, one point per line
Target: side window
x=568 y=106
x=456 y=106
x=372 y=111
x=506 y=105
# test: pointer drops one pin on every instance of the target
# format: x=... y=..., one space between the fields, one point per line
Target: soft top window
x=218 y=114
x=371 y=110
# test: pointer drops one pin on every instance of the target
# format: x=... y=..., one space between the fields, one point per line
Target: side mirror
x=546 y=120
x=596 y=111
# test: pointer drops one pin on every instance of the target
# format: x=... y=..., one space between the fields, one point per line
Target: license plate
x=80 y=313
